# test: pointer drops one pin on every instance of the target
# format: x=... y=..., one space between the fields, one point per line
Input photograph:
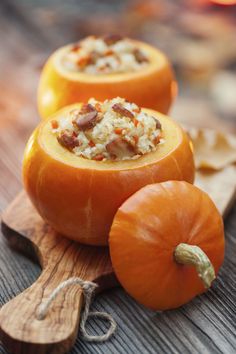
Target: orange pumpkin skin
x=145 y=232
x=154 y=87
x=80 y=197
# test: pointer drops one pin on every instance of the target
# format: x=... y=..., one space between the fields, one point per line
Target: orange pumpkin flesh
x=145 y=233
x=79 y=197
x=154 y=86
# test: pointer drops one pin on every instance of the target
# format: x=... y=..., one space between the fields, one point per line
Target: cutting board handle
x=22 y=332
x=60 y=259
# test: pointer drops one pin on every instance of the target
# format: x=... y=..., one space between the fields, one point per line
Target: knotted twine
x=88 y=289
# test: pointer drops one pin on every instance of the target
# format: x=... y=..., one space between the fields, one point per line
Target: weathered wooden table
x=208 y=323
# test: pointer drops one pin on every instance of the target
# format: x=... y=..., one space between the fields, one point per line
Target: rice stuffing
x=105 y=55
x=110 y=130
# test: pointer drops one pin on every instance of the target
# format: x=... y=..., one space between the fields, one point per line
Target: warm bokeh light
x=224 y=2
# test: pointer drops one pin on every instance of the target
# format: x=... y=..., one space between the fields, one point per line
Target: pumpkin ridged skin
x=153 y=89
x=145 y=232
x=80 y=201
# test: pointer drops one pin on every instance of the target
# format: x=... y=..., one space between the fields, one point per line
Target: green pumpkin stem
x=193 y=255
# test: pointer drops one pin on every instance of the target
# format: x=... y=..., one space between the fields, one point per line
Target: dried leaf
x=212 y=150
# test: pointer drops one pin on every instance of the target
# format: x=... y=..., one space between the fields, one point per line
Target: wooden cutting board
x=220 y=185
x=60 y=259
x=215 y=157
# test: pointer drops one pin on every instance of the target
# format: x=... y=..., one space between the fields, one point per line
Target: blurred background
x=199 y=37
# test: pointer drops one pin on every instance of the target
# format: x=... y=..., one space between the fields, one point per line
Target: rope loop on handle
x=88 y=288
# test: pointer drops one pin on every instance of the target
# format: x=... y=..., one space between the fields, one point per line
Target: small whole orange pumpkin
x=157 y=239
